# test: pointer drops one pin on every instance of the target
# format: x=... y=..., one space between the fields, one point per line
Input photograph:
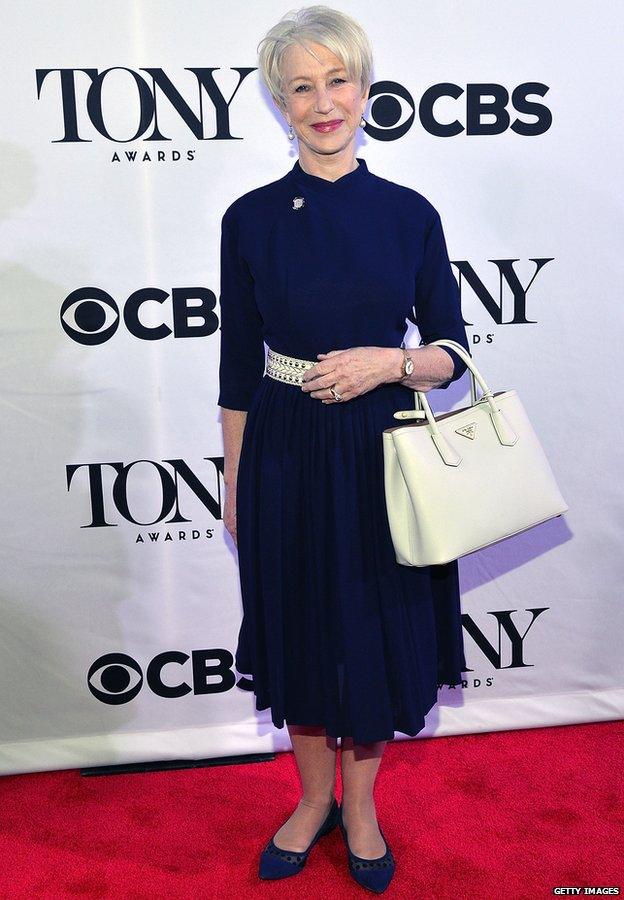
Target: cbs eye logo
x=393 y=110
x=90 y=316
x=117 y=678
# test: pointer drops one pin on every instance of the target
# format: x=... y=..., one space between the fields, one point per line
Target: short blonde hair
x=333 y=29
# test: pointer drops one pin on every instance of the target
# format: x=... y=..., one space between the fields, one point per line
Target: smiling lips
x=324 y=127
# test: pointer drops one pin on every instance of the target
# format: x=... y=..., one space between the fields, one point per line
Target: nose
x=324 y=103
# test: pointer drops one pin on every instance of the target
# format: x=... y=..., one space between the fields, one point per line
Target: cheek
x=298 y=106
x=352 y=103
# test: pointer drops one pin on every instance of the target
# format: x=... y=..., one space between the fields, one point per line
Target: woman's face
x=319 y=91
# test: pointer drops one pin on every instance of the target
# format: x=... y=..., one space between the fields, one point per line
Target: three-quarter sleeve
x=242 y=360
x=437 y=303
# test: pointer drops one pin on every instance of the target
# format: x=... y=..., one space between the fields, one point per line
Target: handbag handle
x=506 y=435
x=474 y=373
x=418 y=411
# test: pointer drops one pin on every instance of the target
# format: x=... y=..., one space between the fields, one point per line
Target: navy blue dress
x=335 y=632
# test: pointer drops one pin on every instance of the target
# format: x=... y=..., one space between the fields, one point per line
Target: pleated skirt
x=335 y=632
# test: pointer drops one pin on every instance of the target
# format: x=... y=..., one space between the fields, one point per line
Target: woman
x=324 y=265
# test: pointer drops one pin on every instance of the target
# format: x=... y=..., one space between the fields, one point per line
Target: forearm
x=432 y=367
x=233 y=424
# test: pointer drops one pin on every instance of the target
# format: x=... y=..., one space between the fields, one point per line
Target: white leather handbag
x=465 y=479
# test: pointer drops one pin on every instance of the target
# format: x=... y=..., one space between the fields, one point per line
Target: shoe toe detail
x=375 y=874
x=287 y=855
x=278 y=863
x=372 y=864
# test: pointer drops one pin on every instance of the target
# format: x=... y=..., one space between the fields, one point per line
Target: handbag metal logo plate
x=468 y=431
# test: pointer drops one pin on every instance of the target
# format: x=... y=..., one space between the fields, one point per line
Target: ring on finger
x=335 y=394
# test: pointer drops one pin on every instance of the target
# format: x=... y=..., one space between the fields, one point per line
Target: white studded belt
x=289 y=369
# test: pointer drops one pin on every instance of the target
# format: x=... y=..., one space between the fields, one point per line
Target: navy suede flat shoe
x=278 y=863
x=373 y=874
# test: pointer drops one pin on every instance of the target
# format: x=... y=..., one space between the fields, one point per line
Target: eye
x=297 y=91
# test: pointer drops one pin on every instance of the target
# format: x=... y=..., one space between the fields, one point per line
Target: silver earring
x=363 y=122
x=291 y=134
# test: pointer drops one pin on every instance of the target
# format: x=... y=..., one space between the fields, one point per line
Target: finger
x=311 y=374
x=318 y=383
x=329 y=397
x=319 y=393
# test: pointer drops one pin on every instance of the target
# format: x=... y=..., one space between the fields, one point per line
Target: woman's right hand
x=233 y=421
x=229 y=512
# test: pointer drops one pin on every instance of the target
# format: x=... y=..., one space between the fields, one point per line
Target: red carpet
x=498 y=815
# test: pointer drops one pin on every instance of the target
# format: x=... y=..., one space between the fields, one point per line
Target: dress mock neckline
x=350 y=178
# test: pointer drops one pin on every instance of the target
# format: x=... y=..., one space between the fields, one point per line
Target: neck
x=331 y=167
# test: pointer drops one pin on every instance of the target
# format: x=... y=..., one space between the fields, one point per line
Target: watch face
x=409 y=365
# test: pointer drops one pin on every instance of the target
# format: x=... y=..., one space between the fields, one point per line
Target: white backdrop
x=120 y=601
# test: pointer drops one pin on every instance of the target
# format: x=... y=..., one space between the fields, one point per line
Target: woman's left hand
x=351 y=372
